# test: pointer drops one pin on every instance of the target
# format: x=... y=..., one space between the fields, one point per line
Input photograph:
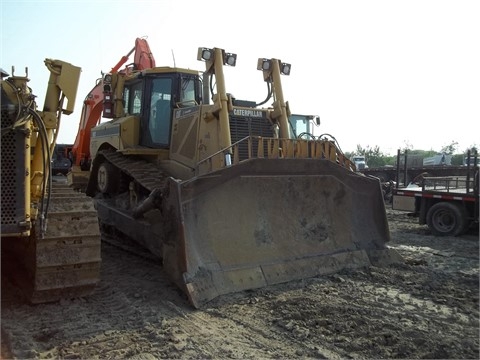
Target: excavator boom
x=92 y=112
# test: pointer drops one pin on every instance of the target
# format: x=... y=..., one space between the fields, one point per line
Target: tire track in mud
x=237 y=334
x=134 y=311
x=380 y=314
x=133 y=296
x=426 y=308
x=99 y=324
x=169 y=327
x=257 y=316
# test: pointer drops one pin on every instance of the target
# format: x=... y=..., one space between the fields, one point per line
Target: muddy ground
x=425 y=307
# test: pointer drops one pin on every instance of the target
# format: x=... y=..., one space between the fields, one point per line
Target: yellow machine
x=223 y=192
x=50 y=234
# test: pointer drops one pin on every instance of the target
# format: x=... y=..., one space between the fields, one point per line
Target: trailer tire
x=447 y=219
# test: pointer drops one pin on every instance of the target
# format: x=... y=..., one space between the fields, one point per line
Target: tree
x=473 y=149
x=450 y=149
x=457 y=159
x=376 y=158
x=407 y=146
x=373 y=156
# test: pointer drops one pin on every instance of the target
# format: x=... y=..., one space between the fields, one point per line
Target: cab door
x=156 y=119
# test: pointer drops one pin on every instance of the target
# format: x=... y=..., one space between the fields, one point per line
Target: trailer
x=409 y=166
x=438 y=159
x=389 y=173
x=448 y=205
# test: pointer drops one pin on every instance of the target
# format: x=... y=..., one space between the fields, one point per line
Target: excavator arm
x=90 y=117
x=93 y=107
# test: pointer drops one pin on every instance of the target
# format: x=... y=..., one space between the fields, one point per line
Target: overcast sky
x=392 y=74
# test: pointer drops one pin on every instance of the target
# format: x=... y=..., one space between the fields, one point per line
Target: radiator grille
x=12 y=172
x=241 y=127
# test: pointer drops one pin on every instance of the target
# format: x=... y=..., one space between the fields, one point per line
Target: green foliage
x=449 y=149
x=473 y=150
x=373 y=156
x=457 y=159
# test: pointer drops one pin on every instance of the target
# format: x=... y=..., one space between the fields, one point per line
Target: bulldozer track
x=63 y=261
x=69 y=254
x=147 y=174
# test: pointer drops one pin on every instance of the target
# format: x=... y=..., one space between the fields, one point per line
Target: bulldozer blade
x=269 y=221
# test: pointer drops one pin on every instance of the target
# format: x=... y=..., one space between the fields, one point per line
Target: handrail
x=279 y=148
x=448 y=183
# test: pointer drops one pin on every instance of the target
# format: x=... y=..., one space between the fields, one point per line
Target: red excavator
x=92 y=112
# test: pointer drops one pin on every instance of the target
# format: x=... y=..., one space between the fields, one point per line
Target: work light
x=230 y=59
x=285 y=69
x=204 y=54
x=264 y=64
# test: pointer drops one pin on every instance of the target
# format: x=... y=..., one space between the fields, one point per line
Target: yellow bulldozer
x=221 y=189
x=50 y=234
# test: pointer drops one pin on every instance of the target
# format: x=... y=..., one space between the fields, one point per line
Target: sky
x=386 y=74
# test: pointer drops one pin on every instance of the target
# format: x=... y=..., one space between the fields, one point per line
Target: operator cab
x=302 y=125
x=154 y=96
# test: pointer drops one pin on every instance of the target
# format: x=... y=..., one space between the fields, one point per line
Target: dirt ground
x=426 y=307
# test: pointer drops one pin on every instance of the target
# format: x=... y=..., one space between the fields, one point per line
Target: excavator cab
x=226 y=193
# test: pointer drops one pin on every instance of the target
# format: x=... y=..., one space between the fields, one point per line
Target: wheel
x=447 y=219
x=107 y=177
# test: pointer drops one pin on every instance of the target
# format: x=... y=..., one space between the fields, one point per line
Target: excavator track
x=65 y=261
